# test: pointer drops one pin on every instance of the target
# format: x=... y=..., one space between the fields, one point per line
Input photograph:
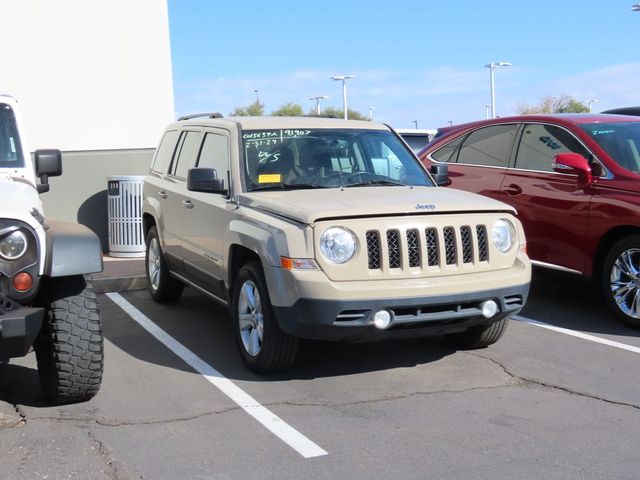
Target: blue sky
x=413 y=60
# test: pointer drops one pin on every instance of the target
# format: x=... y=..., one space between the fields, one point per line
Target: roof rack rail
x=200 y=115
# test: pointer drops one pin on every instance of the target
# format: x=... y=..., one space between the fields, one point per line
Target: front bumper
x=19 y=327
x=322 y=319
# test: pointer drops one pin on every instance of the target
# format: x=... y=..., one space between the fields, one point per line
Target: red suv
x=575 y=181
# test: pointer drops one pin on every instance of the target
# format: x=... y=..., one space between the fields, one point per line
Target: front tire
x=69 y=348
x=161 y=286
x=264 y=347
x=480 y=336
x=620 y=280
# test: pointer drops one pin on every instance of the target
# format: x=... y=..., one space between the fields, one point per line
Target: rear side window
x=165 y=152
x=489 y=146
x=187 y=153
x=541 y=143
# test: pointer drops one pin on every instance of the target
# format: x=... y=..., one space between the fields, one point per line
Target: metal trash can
x=124 y=202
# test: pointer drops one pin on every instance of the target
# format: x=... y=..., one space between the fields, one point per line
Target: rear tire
x=161 y=286
x=480 y=336
x=264 y=347
x=620 y=280
x=69 y=348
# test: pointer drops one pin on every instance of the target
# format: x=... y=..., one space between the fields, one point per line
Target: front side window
x=215 y=154
x=541 y=143
x=621 y=140
x=326 y=158
x=489 y=146
x=447 y=153
x=10 y=148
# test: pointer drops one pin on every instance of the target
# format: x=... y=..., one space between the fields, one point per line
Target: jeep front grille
x=429 y=247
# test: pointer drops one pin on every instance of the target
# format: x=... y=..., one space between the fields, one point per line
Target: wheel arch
x=239 y=255
x=606 y=242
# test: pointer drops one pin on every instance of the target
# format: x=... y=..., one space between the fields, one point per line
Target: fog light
x=22 y=282
x=489 y=308
x=382 y=319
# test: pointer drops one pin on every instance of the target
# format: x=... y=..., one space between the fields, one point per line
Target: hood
x=309 y=206
x=19 y=198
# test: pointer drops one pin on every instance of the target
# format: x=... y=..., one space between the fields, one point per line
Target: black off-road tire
x=625 y=278
x=69 y=348
x=278 y=351
x=162 y=288
x=480 y=336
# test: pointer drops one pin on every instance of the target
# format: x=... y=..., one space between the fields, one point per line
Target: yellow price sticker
x=270 y=178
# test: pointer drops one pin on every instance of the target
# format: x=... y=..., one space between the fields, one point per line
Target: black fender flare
x=71 y=249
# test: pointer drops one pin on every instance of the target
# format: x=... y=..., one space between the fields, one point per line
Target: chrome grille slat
x=449 y=245
x=467 y=244
x=483 y=248
x=413 y=247
x=433 y=252
x=399 y=249
x=393 y=246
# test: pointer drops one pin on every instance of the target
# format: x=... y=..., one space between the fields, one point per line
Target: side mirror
x=48 y=164
x=205 y=180
x=440 y=173
x=576 y=164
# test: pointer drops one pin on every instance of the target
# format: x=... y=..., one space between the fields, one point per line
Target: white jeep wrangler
x=45 y=301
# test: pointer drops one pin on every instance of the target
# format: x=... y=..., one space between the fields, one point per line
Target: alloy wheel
x=250 y=318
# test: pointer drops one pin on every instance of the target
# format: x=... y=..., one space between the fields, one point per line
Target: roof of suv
x=558 y=118
x=259 y=123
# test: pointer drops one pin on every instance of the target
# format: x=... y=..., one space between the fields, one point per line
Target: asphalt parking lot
x=176 y=402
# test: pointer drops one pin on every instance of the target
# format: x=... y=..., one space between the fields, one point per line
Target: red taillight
x=22 y=282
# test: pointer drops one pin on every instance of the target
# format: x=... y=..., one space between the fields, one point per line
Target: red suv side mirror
x=576 y=164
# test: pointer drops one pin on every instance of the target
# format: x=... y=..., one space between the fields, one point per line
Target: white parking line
x=573 y=333
x=271 y=422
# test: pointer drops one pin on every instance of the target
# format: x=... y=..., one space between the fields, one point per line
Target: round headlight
x=13 y=246
x=503 y=235
x=337 y=244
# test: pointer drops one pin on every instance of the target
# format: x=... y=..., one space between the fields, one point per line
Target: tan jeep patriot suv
x=327 y=229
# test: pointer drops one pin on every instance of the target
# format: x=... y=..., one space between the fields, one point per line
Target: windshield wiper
x=376 y=182
x=286 y=186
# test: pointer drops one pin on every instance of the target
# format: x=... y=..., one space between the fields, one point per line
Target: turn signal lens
x=298 y=263
x=22 y=282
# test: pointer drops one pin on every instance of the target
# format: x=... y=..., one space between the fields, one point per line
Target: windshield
x=326 y=158
x=621 y=140
x=10 y=151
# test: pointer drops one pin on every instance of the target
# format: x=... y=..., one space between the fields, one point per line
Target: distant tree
x=550 y=104
x=339 y=113
x=255 y=109
x=288 y=110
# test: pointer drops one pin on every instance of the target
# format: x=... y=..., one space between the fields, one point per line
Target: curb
x=123 y=284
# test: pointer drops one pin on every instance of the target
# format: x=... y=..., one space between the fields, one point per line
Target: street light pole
x=343 y=79
x=371 y=109
x=317 y=98
x=492 y=66
x=590 y=101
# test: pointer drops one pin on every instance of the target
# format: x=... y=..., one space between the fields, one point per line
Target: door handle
x=512 y=189
x=187 y=204
x=162 y=194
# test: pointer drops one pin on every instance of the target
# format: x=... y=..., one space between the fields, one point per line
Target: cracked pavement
x=535 y=405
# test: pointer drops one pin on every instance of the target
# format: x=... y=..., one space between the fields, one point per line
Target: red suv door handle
x=512 y=189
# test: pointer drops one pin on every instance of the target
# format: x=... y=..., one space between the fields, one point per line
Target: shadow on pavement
x=20 y=386
x=571 y=301
x=204 y=327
